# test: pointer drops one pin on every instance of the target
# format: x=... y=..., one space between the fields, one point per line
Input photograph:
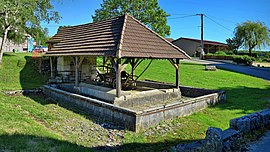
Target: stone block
x=265 y=116
x=241 y=124
x=196 y=146
x=213 y=140
x=210 y=68
x=255 y=121
x=247 y=123
x=231 y=139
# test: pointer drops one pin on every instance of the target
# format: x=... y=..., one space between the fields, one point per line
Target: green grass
x=31 y=123
x=245 y=94
x=19 y=71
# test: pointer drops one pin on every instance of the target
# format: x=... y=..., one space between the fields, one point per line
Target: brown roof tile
x=122 y=36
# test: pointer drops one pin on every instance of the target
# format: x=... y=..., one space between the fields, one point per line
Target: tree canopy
x=252 y=35
x=148 y=12
x=233 y=44
x=21 y=17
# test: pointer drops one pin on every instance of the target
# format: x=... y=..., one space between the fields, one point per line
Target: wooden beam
x=176 y=66
x=51 y=66
x=177 y=74
x=173 y=63
x=76 y=72
x=118 y=77
x=132 y=63
x=81 y=60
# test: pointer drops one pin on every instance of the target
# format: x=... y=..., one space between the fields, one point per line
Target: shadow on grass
x=191 y=63
x=246 y=99
x=30 y=77
x=18 y=142
x=9 y=54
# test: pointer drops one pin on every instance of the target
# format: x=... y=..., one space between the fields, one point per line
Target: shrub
x=220 y=53
x=230 y=53
x=243 y=59
x=266 y=59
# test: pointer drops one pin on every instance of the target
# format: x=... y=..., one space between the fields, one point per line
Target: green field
x=34 y=123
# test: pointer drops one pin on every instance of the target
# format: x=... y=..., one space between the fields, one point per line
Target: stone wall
x=185 y=90
x=230 y=139
x=119 y=115
x=130 y=119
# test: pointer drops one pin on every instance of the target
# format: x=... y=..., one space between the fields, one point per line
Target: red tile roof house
x=192 y=46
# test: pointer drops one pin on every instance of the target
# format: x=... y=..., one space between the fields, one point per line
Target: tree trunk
x=2 y=44
x=250 y=52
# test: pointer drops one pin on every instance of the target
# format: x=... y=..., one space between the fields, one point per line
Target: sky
x=220 y=16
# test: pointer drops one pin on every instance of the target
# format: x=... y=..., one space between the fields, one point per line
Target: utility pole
x=202 y=44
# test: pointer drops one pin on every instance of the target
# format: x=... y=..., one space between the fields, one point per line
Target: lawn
x=34 y=123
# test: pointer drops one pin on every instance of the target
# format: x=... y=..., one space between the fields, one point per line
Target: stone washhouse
x=92 y=65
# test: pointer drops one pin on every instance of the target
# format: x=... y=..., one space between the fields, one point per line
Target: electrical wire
x=218 y=23
x=181 y=17
x=221 y=19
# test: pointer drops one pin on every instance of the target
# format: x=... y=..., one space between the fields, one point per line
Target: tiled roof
x=122 y=36
x=204 y=41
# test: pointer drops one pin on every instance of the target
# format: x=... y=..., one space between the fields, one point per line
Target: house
x=120 y=41
x=26 y=46
x=192 y=46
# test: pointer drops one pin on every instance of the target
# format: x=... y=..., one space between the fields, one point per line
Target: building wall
x=190 y=47
x=66 y=68
x=9 y=46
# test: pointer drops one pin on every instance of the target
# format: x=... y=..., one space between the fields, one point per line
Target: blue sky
x=221 y=16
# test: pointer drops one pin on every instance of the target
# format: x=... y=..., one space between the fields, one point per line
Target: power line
x=218 y=23
x=181 y=17
x=180 y=14
x=221 y=19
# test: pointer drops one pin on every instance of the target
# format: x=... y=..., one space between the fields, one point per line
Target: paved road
x=259 y=72
x=262 y=145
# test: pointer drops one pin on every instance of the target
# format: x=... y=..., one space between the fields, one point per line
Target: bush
x=220 y=53
x=266 y=59
x=243 y=59
x=253 y=54
x=230 y=53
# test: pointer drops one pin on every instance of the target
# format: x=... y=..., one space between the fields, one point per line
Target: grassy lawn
x=32 y=123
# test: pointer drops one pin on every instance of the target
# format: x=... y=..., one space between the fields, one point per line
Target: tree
x=252 y=34
x=233 y=44
x=17 y=17
x=39 y=34
x=148 y=12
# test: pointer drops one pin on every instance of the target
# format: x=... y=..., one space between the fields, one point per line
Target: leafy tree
x=252 y=34
x=39 y=34
x=146 y=11
x=233 y=44
x=17 y=17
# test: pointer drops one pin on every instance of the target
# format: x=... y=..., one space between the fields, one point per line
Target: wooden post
x=177 y=74
x=51 y=66
x=132 y=68
x=118 y=78
x=76 y=72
